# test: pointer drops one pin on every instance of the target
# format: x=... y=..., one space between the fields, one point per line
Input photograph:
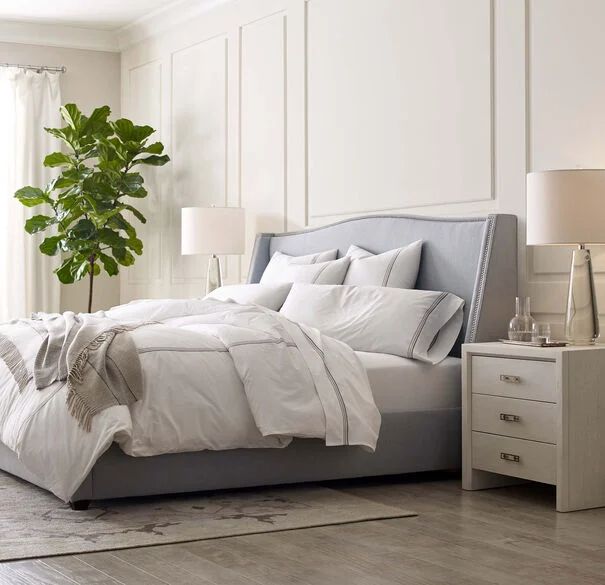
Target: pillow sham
x=410 y=323
x=396 y=268
x=279 y=261
x=332 y=272
x=271 y=296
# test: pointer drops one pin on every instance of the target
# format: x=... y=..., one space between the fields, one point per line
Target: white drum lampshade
x=213 y=230
x=567 y=207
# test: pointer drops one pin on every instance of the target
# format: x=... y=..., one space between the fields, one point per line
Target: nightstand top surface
x=499 y=348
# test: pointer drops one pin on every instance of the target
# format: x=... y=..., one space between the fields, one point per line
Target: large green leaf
x=110 y=265
x=126 y=131
x=64 y=272
x=72 y=116
x=81 y=268
x=51 y=245
x=135 y=245
x=155 y=148
x=123 y=256
x=99 y=185
x=39 y=223
x=118 y=222
x=97 y=122
x=154 y=160
x=112 y=238
x=131 y=182
x=66 y=134
x=31 y=196
x=136 y=213
x=83 y=230
x=57 y=159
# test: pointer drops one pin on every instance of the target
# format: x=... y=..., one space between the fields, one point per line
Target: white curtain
x=29 y=101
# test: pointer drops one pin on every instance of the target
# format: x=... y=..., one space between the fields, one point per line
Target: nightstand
x=535 y=414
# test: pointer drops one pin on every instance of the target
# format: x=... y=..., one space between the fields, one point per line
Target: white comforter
x=217 y=375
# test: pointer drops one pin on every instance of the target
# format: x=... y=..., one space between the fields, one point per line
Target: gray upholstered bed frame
x=473 y=257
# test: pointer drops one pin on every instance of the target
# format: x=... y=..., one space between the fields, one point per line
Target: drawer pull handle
x=509 y=417
x=510 y=457
x=510 y=379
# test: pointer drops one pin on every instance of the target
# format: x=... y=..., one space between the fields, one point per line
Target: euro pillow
x=271 y=296
x=332 y=272
x=396 y=268
x=410 y=323
x=279 y=261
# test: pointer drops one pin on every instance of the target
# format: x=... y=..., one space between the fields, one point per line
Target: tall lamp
x=567 y=207
x=213 y=230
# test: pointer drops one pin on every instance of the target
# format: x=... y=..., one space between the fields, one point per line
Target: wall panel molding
x=392 y=59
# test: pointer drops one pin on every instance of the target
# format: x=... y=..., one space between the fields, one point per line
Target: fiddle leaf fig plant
x=90 y=204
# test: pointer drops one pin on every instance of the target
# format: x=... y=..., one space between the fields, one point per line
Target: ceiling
x=96 y=14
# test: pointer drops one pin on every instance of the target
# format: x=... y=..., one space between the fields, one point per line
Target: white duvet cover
x=217 y=375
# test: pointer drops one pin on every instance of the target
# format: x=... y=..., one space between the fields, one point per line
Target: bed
x=474 y=258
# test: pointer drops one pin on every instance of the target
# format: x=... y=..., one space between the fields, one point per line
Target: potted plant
x=90 y=204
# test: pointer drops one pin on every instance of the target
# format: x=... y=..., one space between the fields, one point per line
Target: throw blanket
x=215 y=375
x=96 y=356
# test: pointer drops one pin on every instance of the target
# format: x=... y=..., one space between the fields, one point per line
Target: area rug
x=33 y=523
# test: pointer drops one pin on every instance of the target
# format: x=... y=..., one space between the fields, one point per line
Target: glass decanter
x=520 y=326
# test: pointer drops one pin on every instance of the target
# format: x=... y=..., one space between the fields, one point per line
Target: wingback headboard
x=472 y=257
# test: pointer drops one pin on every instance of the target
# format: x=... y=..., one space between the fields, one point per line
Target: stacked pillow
x=396 y=268
x=321 y=268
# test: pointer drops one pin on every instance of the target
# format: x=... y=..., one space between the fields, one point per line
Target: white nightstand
x=536 y=414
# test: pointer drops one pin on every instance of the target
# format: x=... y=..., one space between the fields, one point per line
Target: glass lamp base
x=581 y=315
x=214 y=277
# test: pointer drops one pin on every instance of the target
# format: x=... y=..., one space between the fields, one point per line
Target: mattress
x=400 y=384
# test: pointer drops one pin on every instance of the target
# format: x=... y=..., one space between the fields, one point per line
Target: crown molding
x=57 y=35
x=164 y=18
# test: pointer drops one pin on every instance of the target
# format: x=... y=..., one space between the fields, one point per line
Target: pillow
x=279 y=261
x=271 y=296
x=322 y=273
x=417 y=324
x=396 y=268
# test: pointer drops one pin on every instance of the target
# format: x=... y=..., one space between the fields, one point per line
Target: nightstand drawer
x=514 y=378
x=524 y=419
x=514 y=457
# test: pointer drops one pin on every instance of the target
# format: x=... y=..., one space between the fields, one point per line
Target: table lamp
x=213 y=230
x=567 y=207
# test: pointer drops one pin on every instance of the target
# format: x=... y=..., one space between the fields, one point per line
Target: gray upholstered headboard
x=472 y=257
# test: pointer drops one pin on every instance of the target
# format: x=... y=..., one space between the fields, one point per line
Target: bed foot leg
x=80 y=505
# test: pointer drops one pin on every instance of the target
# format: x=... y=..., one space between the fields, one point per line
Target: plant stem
x=91 y=279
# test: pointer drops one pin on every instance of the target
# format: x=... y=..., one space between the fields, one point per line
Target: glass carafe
x=520 y=326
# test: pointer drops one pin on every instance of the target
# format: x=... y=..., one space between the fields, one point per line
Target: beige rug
x=33 y=523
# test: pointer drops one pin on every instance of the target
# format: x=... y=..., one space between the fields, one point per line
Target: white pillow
x=279 y=261
x=410 y=323
x=396 y=268
x=323 y=273
x=271 y=296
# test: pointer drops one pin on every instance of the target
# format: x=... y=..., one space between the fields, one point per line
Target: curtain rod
x=61 y=69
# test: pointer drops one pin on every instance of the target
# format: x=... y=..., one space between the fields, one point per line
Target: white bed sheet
x=400 y=384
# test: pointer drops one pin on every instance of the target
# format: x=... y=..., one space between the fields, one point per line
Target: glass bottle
x=520 y=326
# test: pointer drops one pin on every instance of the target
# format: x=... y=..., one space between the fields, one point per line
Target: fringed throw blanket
x=95 y=355
x=97 y=358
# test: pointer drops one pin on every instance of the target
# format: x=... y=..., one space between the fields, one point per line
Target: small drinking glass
x=540 y=332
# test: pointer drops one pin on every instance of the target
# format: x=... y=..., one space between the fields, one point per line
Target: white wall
x=92 y=79
x=308 y=111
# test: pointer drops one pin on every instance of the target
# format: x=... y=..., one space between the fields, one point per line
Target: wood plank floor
x=508 y=536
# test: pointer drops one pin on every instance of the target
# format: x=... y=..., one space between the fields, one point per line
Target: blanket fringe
x=14 y=362
x=78 y=408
